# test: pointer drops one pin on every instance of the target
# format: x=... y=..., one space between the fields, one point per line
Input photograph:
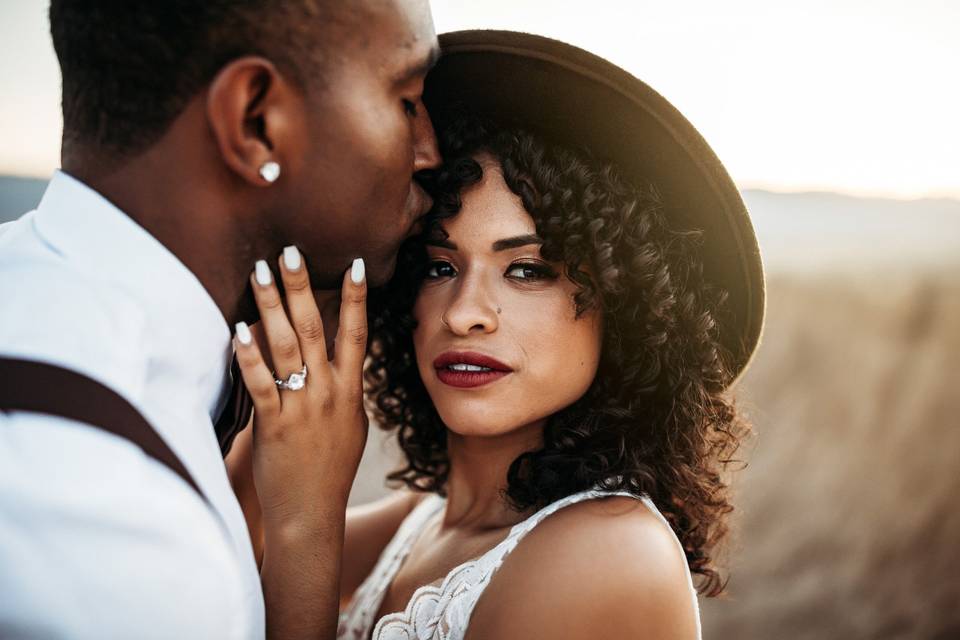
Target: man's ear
x=251 y=109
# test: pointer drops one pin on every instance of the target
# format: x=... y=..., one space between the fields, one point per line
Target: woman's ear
x=251 y=109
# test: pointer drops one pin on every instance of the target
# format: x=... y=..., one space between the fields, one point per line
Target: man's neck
x=181 y=202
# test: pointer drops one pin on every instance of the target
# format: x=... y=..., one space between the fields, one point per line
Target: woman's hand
x=307 y=443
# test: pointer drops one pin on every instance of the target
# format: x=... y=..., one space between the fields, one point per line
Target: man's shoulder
x=13 y=229
x=98 y=534
x=56 y=313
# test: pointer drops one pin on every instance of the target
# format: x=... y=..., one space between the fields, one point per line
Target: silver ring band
x=295 y=382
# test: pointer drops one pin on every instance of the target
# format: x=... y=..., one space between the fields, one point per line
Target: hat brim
x=572 y=97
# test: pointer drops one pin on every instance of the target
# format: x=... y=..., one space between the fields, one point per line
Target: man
x=199 y=136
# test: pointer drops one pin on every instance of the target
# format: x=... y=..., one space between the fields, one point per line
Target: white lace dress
x=443 y=613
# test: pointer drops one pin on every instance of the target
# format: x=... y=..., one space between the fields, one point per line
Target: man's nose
x=426 y=154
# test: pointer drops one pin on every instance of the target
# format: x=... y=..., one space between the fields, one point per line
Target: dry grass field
x=849 y=510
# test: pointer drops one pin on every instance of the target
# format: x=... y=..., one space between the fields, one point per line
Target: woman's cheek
x=564 y=355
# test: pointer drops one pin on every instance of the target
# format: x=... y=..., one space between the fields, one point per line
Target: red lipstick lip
x=468 y=379
x=469 y=357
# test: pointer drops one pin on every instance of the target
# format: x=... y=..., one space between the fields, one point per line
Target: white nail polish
x=263 y=273
x=357 y=271
x=291 y=258
x=243 y=333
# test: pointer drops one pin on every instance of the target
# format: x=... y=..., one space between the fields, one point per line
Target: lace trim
x=443 y=613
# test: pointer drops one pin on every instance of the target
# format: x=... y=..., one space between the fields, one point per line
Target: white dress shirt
x=97 y=540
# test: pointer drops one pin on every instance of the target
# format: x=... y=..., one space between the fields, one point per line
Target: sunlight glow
x=853 y=96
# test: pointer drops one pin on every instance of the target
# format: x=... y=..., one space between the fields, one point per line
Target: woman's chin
x=476 y=429
x=475 y=424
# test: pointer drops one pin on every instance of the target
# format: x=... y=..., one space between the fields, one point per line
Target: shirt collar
x=188 y=335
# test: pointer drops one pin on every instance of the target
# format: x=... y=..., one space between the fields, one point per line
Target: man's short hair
x=131 y=66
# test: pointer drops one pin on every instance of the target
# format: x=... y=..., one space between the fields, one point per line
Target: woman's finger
x=304 y=314
x=284 y=346
x=352 y=334
x=256 y=374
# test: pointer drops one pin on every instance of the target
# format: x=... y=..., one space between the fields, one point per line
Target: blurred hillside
x=19 y=195
x=797 y=231
x=847 y=516
x=828 y=232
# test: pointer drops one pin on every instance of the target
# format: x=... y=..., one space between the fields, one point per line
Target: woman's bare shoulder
x=618 y=533
x=610 y=567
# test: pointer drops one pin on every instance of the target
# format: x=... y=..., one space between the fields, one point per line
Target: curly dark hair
x=657 y=419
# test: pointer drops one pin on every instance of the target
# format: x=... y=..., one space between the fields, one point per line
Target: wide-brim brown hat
x=572 y=97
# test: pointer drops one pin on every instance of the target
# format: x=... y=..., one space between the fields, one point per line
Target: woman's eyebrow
x=517 y=241
x=500 y=245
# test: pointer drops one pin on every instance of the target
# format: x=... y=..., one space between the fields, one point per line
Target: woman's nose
x=471 y=309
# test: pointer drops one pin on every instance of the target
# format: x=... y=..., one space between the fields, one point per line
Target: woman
x=555 y=360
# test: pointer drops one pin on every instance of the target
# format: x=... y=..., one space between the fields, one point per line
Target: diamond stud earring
x=270 y=171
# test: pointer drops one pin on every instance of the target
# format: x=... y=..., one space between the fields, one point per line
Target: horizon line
x=819 y=189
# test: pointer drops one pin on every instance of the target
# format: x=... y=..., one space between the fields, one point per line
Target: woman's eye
x=410 y=107
x=440 y=269
x=531 y=271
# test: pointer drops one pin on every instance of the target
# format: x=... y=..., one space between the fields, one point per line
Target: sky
x=854 y=96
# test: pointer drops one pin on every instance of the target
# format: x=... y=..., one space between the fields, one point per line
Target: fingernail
x=263 y=273
x=291 y=258
x=243 y=333
x=357 y=271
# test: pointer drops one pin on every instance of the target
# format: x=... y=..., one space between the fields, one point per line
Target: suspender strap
x=43 y=388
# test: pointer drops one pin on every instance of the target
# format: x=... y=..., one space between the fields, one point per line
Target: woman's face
x=498 y=343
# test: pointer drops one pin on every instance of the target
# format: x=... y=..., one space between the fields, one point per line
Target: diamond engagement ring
x=295 y=382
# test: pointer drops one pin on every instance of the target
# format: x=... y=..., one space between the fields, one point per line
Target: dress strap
x=398 y=549
x=415 y=521
x=358 y=619
x=520 y=530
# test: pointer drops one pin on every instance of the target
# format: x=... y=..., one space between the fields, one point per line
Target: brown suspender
x=43 y=388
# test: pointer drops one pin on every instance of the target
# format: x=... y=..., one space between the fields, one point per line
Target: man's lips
x=426 y=202
x=421 y=205
x=421 y=201
x=444 y=360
